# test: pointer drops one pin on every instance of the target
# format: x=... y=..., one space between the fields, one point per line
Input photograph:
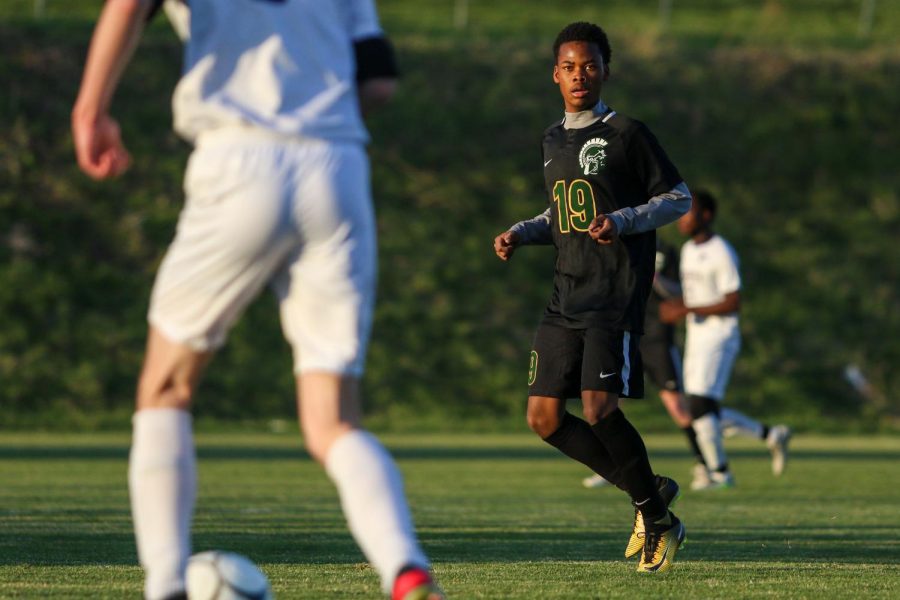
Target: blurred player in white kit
x=711 y=285
x=278 y=193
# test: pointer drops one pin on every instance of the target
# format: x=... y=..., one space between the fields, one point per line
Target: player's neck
x=585 y=118
x=701 y=237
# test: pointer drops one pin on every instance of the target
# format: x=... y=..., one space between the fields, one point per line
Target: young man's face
x=580 y=73
x=693 y=221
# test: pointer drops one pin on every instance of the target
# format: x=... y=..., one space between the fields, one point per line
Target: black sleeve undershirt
x=374 y=59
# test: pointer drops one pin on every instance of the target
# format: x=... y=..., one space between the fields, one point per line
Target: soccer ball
x=218 y=575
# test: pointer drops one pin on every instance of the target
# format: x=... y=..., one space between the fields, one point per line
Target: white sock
x=741 y=423
x=709 y=437
x=162 y=479
x=371 y=491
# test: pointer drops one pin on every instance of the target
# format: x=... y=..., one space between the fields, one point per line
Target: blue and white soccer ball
x=218 y=575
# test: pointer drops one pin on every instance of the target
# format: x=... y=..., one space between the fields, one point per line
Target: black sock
x=765 y=432
x=575 y=439
x=628 y=452
x=692 y=442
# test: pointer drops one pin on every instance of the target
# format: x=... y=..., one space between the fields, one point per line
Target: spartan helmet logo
x=592 y=157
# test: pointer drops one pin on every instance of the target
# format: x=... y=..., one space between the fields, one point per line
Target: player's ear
x=555 y=74
x=605 y=72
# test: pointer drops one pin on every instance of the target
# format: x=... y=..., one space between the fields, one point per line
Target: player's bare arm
x=505 y=244
x=674 y=310
x=98 y=143
x=730 y=304
x=375 y=93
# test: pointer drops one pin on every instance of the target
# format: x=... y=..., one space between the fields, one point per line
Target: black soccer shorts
x=662 y=363
x=566 y=361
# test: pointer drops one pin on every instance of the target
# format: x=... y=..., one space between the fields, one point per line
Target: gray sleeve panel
x=665 y=287
x=660 y=210
x=535 y=231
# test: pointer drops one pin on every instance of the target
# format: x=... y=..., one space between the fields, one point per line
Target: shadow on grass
x=849 y=545
x=538 y=452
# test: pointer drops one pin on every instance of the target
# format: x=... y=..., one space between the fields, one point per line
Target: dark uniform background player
x=662 y=361
x=609 y=186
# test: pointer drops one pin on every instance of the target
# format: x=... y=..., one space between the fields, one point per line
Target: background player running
x=711 y=286
x=277 y=193
x=609 y=185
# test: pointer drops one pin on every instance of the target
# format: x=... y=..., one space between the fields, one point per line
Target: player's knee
x=316 y=449
x=542 y=422
x=598 y=405
x=170 y=373
x=319 y=437
x=316 y=444
x=592 y=414
x=677 y=407
x=164 y=392
x=702 y=405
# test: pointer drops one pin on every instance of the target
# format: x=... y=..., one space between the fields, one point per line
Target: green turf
x=503 y=516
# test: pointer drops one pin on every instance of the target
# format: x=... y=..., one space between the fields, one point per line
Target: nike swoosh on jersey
x=605 y=375
x=548 y=162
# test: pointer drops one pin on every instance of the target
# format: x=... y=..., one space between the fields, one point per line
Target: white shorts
x=296 y=214
x=708 y=359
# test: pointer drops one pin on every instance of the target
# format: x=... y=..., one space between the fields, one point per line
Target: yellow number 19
x=575 y=206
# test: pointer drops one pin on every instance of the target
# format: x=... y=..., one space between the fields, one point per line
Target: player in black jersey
x=609 y=185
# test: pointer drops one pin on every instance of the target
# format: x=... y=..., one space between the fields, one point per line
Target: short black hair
x=705 y=201
x=584 y=32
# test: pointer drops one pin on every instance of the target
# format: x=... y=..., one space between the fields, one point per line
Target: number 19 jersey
x=611 y=164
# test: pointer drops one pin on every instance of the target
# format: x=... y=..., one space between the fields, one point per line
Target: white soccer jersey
x=284 y=66
x=709 y=271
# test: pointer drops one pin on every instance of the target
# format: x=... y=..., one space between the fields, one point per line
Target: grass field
x=503 y=516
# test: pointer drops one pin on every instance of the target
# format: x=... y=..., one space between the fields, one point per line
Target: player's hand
x=505 y=244
x=602 y=229
x=672 y=311
x=99 y=148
